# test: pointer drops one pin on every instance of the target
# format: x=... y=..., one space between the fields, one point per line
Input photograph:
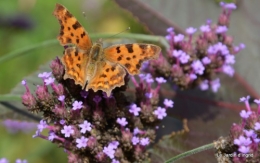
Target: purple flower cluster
x=92 y=127
x=193 y=60
x=244 y=138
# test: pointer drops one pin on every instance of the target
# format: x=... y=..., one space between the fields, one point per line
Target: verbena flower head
x=195 y=60
x=92 y=127
x=243 y=141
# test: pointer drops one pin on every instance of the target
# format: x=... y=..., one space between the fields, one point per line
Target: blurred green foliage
x=27 y=22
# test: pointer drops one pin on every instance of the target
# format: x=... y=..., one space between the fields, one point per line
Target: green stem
x=191 y=152
x=158 y=39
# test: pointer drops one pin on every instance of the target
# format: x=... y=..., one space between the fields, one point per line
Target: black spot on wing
x=82 y=35
x=68 y=40
x=76 y=25
x=119 y=58
x=129 y=48
x=103 y=76
x=118 y=49
x=113 y=68
x=76 y=53
x=143 y=46
x=127 y=65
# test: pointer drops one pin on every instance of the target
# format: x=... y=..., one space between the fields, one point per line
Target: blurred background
x=25 y=23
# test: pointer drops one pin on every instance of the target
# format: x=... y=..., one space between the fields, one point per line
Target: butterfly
x=92 y=66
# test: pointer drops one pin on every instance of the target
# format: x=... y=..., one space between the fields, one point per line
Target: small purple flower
x=184 y=58
x=228 y=70
x=244 y=149
x=85 y=126
x=61 y=98
x=82 y=142
x=110 y=152
x=136 y=131
x=244 y=99
x=49 y=80
x=257 y=126
x=245 y=114
x=221 y=48
x=23 y=82
x=242 y=141
x=77 y=105
x=191 y=30
x=122 y=121
x=144 y=141
x=97 y=99
x=177 y=53
x=170 y=29
x=231 y=6
x=42 y=125
x=113 y=144
x=178 y=38
x=115 y=161
x=145 y=65
x=37 y=133
x=52 y=136
x=229 y=59
x=168 y=103
x=193 y=76
x=204 y=28
x=206 y=60
x=242 y=46
x=257 y=101
x=204 y=85
x=62 y=121
x=67 y=131
x=134 y=109
x=168 y=37
x=20 y=161
x=221 y=29
x=198 y=67
x=160 y=80
x=211 y=50
x=249 y=133
x=160 y=112
x=148 y=77
x=44 y=74
x=215 y=85
x=135 y=140
x=149 y=95
x=84 y=94
x=3 y=160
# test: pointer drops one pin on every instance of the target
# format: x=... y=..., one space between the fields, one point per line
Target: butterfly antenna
x=128 y=28
x=84 y=88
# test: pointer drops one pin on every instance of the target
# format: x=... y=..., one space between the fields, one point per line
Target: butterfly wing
x=71 y=31
x=131 y=56
x=75 y=62
x=108 y=75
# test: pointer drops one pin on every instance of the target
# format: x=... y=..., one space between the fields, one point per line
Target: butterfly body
x=91 y=65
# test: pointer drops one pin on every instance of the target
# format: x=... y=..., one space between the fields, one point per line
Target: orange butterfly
x=91 y=65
